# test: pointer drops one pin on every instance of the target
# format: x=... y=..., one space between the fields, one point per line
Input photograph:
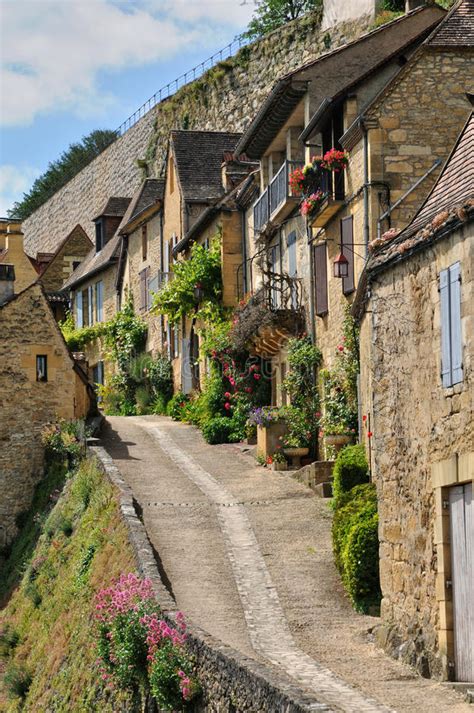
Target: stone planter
x=268 y=438
x=251 y=440
x=338 y=440
x=279 y=466
x=296 y=454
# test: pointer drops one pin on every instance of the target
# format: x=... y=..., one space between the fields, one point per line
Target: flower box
x=268 y=438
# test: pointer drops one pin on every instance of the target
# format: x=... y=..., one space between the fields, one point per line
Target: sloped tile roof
x=450 y=202
x=114 y=208
x=457 y=29
x=149 y=193
x=199 y=156
x=95 y=262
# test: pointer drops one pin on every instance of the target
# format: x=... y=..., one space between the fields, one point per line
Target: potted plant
x=297 y=440
x=312 y=203
x=307 y=179
x=334 y=160
x=279 y=460
x=270 y=427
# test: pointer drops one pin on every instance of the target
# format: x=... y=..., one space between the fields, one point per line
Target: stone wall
x=243 y=80
x=28 y=328
x=75 y=248
x=231 y=682
x=417 y=424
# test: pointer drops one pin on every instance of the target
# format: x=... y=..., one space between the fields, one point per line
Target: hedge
x=350 y=469
x=355 y=545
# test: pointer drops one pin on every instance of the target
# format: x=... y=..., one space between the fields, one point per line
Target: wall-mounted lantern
x=341 y=265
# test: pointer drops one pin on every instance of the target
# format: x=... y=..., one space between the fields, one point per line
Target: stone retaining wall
x=231 y=682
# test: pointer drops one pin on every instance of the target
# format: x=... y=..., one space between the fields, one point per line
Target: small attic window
x=41 y=367
x=99 y=235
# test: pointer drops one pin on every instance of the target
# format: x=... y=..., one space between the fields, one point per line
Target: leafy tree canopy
x=271 y=14
x=59 y=172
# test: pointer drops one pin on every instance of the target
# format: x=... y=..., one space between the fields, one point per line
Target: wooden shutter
x=79 y=312
x=147 y=287
x=445 y=328
x=99 y=300
x=455 y=320
x=143 y=289
x=291 y=243
x=347 y=239
x=166 y=256
x=321 y=279
x=90 y=303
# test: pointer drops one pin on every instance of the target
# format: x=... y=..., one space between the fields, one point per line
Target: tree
x=271 y=14
x=59 y=172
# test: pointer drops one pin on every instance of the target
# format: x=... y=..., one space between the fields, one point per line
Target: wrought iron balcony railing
x=275 y=196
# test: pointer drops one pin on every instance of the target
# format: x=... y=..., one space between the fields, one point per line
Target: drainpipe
x=312 y=313
x=244 y=254
x=366 y=186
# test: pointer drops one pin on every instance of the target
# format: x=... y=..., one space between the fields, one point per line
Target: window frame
x=45 y=363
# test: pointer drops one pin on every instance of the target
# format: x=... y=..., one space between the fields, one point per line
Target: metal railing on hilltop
x=172 y=87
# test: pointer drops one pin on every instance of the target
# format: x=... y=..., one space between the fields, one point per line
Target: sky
x=71 y=66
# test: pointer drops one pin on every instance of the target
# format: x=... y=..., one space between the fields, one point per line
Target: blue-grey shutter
x=321 y=279
x=455 y=314
x=79 y=313
x=291 y=242
x=445 y=328
x=90 y=303
x=347 y=239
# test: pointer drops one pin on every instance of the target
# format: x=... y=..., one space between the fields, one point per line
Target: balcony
x=278 y=199
x=272 y=315
x=332 y=185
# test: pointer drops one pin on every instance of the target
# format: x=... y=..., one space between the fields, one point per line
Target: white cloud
x=53 y=50
x=14 y=181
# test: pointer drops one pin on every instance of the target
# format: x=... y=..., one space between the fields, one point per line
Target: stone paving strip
x=266 y=622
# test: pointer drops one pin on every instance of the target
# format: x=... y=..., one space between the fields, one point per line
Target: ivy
x=201 y=271
x=76 y=339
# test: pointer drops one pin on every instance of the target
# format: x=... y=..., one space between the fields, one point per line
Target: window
x=75 y=264
x=331 y=134
x=291 y=244
x=321 y=279
x=79 y=312
x=99 y=235
x=99 y=301
x=98 y=373
x=41 y=367
x=347 y=240
x=144 y=241
x=451 y=336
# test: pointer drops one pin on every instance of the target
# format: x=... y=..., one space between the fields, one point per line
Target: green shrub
x=58 y=522
x=165 y=681
x=360 y=559
x=355 y=545
x=176 y=405
x=159 y=405
x=17 y=680
x=218 y=430
x=350 y=469
x=143 y=400
x=9 y=640
x=362 y=498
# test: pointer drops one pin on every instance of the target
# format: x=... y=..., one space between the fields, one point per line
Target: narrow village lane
x=247 y=553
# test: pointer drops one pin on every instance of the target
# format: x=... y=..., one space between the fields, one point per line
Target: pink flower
x=228 y=395
x=369 y=434
x=340 y=348
x=256 y=376
x=227 y=406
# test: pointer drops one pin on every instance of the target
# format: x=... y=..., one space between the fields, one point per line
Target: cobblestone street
x=247 y=554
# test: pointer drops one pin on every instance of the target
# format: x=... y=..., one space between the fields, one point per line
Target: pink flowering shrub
x=137 y=648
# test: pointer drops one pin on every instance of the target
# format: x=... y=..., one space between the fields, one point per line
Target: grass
x=48 y=642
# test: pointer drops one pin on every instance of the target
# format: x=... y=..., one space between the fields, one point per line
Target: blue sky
x=71 y=66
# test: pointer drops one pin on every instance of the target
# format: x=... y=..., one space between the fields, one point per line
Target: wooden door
x=462 y=554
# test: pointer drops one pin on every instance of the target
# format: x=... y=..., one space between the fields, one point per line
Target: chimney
x=413 y=4
x=7 y=282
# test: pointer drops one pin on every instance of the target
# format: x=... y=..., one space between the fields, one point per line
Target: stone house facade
x=140 y=263
x=193 y=182
x=309 y=112
x=12 y=252
x=92 y=285
x=416 y=307
x=39 y=382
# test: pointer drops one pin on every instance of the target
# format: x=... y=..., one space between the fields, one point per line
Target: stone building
x=39 y=382
x=55 y=268
x=140 y=261
x=12 y=252
x=92 y=285
x=416 y=307
x=193 y=182
x=310 y=111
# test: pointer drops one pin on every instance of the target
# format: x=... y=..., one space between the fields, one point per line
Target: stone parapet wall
x=230 y=680
x=243 y=81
